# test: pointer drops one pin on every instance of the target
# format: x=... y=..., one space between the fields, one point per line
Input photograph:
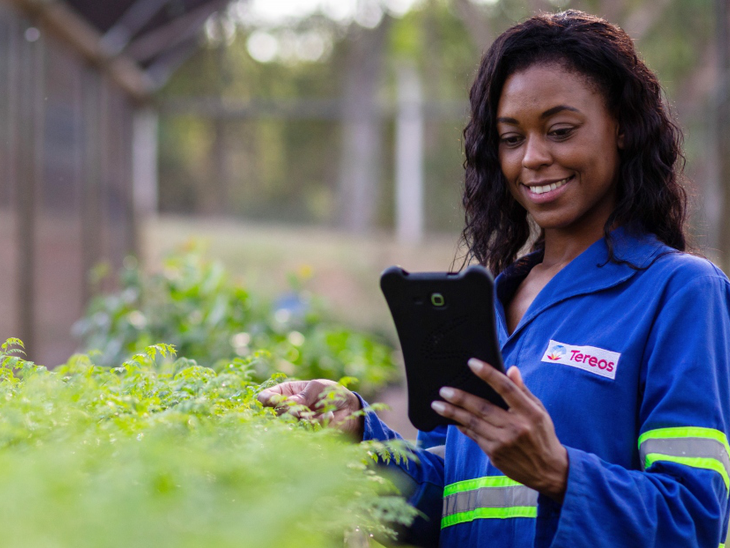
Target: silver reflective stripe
x=686 y=447
x=439 y=450
x=489 y=497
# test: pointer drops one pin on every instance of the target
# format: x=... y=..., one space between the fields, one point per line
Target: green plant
x=193 y=303
x=156 y=452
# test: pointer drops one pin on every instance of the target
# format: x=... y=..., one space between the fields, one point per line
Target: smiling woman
x=559 y=150
x=601 y=61
x=616 y=431
x=559 y=154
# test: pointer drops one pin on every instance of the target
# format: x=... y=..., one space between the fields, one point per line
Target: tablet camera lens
x=437 y=299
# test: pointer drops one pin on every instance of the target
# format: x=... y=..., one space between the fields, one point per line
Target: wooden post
x=91 y=178
x=14 y=128
x=32 y=109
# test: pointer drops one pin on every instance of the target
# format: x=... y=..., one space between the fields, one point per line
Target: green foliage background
x=286 y=169
x=194 y=304
x=156 y=452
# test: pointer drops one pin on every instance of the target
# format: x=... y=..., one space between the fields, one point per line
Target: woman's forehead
x=545 y=86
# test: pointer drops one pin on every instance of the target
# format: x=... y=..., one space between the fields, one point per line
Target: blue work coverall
x=631 y=359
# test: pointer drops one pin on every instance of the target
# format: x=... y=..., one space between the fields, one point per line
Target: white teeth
x=542 y=189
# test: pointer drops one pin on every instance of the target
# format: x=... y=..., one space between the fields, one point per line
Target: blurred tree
x=304 y=119
x=361 y=156
x=212 y=195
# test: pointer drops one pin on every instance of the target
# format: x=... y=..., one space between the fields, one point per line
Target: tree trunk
x=723 y=125
x=409 y=191
x=361 y=129
x=213 y=195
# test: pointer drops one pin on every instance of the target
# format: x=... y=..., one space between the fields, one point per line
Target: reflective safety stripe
x=707 y=464
x=691 y=446
x=476 y=483
x=487 y=513
x=491 y=497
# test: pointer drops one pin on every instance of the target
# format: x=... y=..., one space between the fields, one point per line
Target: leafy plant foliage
x=193 y=304
x=162 y=452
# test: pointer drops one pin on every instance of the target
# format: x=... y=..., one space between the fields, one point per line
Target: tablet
x=442 y=320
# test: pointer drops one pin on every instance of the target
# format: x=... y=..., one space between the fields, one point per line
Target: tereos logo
x=556 y=352
x=589 y=358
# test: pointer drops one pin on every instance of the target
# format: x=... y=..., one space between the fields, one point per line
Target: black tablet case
x=439 y=335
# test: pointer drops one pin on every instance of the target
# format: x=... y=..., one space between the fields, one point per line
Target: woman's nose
x=537 y=154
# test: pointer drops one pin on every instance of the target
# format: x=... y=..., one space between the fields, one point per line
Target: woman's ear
x=619 y=138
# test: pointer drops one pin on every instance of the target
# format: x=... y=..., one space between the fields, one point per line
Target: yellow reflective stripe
x=489 y=497
x=493 y=513
x=686 y=432
x=478 y=483
x=695 y=462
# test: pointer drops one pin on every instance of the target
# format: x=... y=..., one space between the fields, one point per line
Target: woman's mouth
x=546 y=192
x=542 y=189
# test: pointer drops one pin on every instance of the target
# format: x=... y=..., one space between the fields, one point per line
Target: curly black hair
x=650 y=196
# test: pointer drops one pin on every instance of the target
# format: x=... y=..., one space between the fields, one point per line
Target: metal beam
x=154 y=43
x=61 y=21
x=165 y=64
x=298 y=109
x=134 y=19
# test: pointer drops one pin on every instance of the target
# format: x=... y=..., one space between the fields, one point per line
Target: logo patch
x=556 y=352
x=589 y=358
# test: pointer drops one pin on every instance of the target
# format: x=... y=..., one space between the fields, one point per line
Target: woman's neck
x=561 y=248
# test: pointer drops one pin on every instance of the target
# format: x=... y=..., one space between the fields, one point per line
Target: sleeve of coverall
x=422 y=483
x=680 y=495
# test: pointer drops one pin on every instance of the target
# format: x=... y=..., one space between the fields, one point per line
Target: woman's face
x=559 y=148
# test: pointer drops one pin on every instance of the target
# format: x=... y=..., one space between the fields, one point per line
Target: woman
x=618 y=413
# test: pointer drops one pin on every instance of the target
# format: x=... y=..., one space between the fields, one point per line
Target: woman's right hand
x=285 y=397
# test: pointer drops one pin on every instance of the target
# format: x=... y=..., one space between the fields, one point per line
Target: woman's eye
x=561 y=132
x=510 y=140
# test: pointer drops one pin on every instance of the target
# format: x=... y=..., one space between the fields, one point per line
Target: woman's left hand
x=520 y=441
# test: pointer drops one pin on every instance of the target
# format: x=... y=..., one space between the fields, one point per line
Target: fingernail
x=446 y=393
x=438 y=406
x=476 y=365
